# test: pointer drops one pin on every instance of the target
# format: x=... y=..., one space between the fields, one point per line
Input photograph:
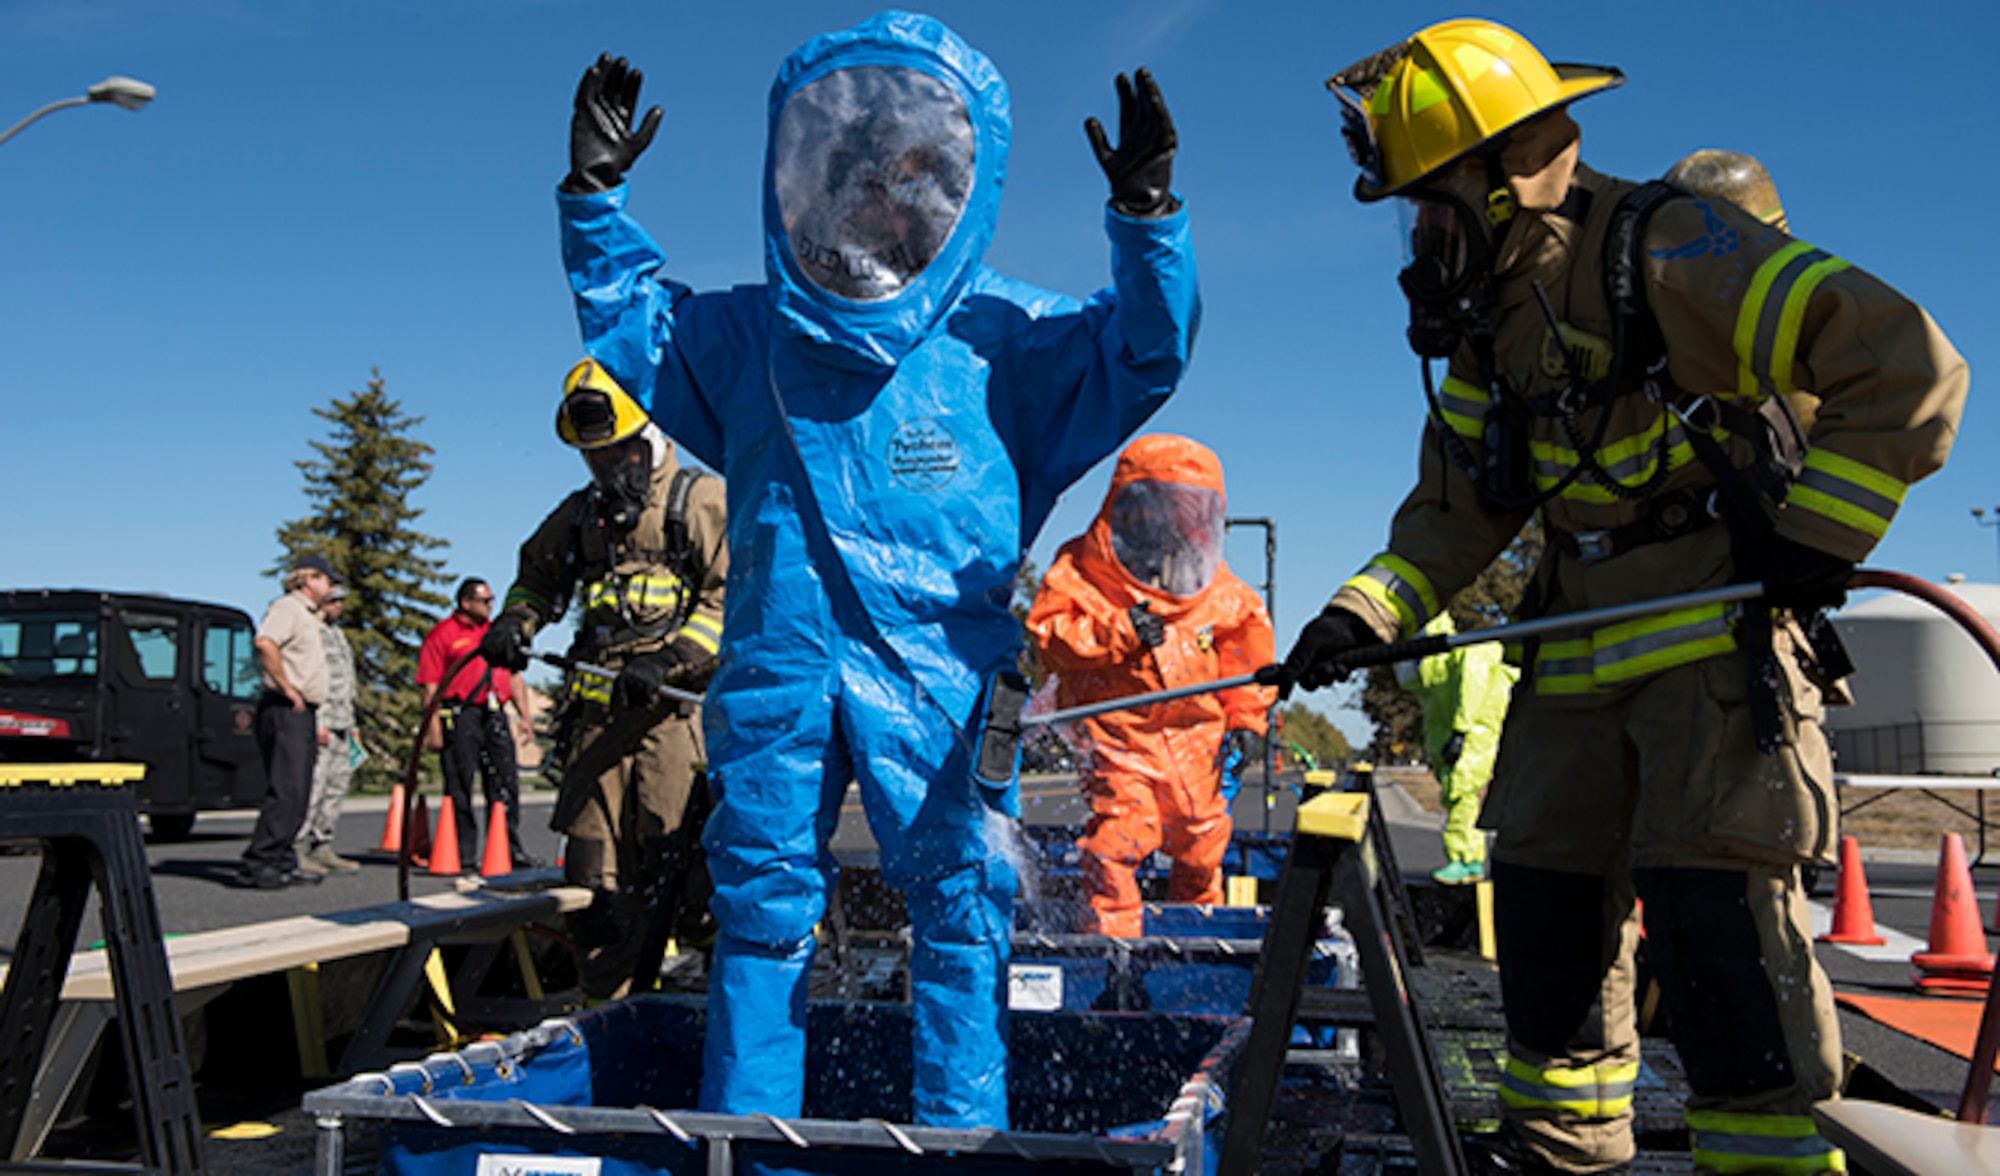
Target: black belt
x=1669 y=517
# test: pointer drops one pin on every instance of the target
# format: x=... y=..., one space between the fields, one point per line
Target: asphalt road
x=194 y=886
x=194 y=881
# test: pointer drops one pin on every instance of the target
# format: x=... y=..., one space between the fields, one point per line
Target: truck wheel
x=171 y=826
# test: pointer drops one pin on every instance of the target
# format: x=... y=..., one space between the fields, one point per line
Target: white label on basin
x=1034 y=988
x=519 y=1165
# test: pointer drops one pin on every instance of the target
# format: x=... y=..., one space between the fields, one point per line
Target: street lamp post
x=1979 y=516
x=122 y=92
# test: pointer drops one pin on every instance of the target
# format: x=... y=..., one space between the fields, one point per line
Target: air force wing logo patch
x=1716 y=240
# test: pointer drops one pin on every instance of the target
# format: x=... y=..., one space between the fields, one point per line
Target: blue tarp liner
x=1250 y=855
x=1103 y=1075
x=1192 y=960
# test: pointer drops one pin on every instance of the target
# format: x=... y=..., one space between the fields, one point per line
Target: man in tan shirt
x=291 y=652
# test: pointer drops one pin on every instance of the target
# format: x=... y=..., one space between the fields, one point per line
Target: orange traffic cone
x=392 y=823
x=1957 y=960
x=444 y=851
x=420 y=832
x=1853 y=910
x=499 y=856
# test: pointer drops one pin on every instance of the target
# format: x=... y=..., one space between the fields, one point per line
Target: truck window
x=151 y=649
x=37 y=646
x=229 y=661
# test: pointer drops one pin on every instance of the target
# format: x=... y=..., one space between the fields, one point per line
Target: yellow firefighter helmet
x=1733 y=176
x=595 y=411
x=1431 y=101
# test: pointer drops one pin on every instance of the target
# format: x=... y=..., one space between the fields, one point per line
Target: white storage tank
x=1926 y=698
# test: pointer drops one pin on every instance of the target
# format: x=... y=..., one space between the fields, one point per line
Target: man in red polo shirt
x=469 y=729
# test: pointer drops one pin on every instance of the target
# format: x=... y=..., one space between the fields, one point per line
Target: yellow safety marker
x=243 y=1131
x=1322 y=777
x=308 y=1024
x=1239 y=891
x=1482 y=894
x=447 y=1024
x=65 y=775
x=1342 y=816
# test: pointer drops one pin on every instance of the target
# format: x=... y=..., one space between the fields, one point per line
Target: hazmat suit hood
x=1158 y=535
x=888 y=144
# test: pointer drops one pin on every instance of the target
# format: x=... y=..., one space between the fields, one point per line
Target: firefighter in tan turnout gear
x=1621 y=359
x=642 y=549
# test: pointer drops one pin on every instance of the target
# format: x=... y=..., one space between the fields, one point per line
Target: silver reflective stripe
x=1768 y=1147
x=1773 y=311
x=1600 y=1093
x=1834 y=486
x=1401 y=589
x=1633 y=648
x=1565 y=667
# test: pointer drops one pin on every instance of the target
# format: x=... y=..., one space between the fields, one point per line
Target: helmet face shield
x=591 y=417
x=1168 y=535
x=872 y=167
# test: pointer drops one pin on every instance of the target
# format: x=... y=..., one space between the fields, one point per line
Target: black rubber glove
x=638 y=684
x=1141 y=167
x=1314 y=659
x=1150 y=627
x=1804 y=579
x=1452 y=749
x=602 y=142
x=505 y=646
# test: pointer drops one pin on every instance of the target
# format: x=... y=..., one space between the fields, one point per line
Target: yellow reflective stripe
x=1785 y=347
x=1807 y=498
x=644 y=590
x=703 y=631
x=591 y=686
x=1630 y=460
x=526 y=598
x=1847 y=492
x=1725 y=1142
x=1464 y=407
x=1632 y=649
x=1592 y=1092
x=1751 y=313
x=1398 y=586
x=1565 y=667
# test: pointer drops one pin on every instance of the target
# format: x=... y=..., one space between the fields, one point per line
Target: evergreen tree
x=362 y=521
x=1489 y=600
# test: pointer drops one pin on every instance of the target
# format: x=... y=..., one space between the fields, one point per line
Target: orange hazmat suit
x=1143 y=601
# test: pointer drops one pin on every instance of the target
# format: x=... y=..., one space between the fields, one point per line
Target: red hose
x=1972 y=1101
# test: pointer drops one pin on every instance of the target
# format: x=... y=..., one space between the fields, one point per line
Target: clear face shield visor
x=872 y=166
x=1168 y=535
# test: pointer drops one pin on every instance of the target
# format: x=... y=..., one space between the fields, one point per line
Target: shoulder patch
x=1716 y=240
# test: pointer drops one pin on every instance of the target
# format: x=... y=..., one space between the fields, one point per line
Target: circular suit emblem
x=922 y=455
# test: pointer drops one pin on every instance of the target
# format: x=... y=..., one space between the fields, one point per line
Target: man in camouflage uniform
x=1622 y=359
x=337 y=741
x=643 y=550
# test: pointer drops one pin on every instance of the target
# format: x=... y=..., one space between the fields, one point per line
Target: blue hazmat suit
x=894 y=422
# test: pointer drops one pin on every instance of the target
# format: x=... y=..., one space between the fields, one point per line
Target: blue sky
x=325 y=188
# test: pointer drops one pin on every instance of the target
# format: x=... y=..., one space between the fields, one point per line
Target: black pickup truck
x=172 y=684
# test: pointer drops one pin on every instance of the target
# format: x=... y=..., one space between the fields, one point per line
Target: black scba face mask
x=1447 y=274
x=623 y=474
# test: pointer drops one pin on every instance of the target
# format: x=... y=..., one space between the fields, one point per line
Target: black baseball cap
x=313 y=561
